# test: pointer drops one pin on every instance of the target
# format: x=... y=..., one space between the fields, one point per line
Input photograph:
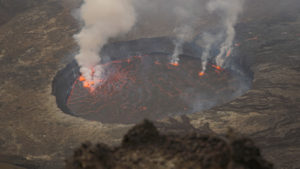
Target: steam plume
x=230 y=9
x=208 y=39
x=103 y=19
x=184 y=30
x=183 y=33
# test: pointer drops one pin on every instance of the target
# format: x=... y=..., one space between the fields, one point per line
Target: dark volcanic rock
x=37 y=41
x=143 y=147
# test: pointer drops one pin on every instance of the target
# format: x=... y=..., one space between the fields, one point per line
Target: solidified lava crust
x=148 y=86
x=141 y=83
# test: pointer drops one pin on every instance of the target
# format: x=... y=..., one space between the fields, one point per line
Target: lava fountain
x=140 y=82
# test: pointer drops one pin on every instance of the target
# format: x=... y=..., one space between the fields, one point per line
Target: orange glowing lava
x=228 y=53
x=88 y=83
x=81 y=78
x=164 y=83
x=175 y=63
x=217 y=67
x=201 y=74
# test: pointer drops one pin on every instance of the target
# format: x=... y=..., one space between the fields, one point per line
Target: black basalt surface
x=150 y=67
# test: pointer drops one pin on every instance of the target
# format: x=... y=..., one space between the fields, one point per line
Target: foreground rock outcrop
x=143 y=147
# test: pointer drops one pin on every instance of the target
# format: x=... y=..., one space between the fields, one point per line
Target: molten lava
x=201 y=74
x=228 y=53
x=87 y=83
x=141 y=87
x=174 y=63
x=217 y=67
x=81 y=78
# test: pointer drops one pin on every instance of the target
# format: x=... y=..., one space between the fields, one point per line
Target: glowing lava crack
x=150 y=87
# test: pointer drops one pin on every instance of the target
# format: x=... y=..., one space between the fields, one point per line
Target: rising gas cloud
x=184 y=30
x=103 y=19
x=186 y=15
x=229 y=11
x=183 y=34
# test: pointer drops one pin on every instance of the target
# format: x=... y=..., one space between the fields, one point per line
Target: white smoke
x=184 y=31
x=183 y=34
x=186 y=21
x=208 y=40
x=229 y=11
x=103 y=19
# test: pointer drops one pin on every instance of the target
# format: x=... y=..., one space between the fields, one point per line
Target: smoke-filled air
x=229 y=11
x=103 y=19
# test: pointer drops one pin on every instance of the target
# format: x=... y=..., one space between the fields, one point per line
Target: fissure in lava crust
x=148 y=86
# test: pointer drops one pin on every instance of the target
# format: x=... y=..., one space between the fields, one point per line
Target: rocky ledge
x=144 y=147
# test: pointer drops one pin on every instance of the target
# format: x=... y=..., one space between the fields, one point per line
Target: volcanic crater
x=141 y=83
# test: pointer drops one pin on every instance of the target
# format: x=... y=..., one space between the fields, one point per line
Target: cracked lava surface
x=148 y=86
